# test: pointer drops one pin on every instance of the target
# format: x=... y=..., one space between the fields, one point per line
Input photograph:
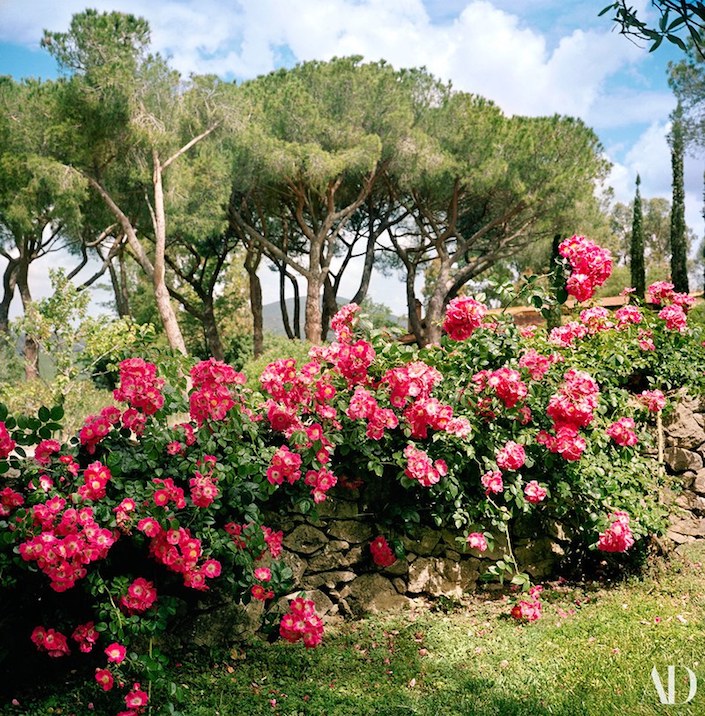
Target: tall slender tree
x=702 y=245
x=636 y=245
x=679 y=248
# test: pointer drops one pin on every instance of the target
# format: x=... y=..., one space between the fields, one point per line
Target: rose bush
x=494 y=432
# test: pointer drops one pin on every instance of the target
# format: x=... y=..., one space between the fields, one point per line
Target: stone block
x=305 y=539
x=679 y=459
x=332 y=559
x=328 y=579
x=350 y=531
x=399 y=585
x=227 y=624
x=689 y=527
x=371 y=594
x=398 y=569
x=698 y=484
x=681 y=427
x=423 y=542
x=438 y=576
x=333 y=508
x=295 y=563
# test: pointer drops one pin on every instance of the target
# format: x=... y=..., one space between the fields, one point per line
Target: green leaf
x=657 y=43
x=44 y=414
x=56 y=413
x=677 y=41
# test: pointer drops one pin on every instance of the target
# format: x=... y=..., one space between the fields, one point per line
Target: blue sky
x=529 y=56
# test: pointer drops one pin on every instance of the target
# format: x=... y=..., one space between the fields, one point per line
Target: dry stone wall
x=330 y=556
x=684 y=457
x=330 y=559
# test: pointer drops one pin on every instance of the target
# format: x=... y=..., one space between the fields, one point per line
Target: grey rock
x=331 y=559
x=371 y=594
x=423 y=543
x=295 y=563
x=305 y=540
x=227 y=624
x=679 y=460
x=399 y=585
x=698 y=484
x=679 y=538
x=438 y=576
x=398 y=569
x=681 y=427
x=691 y=501
x=350 y=530
x=690 y=526
x=328 y=579
x=337 y=509
x=557 y=531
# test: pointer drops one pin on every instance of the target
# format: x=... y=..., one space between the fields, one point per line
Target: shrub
x=107 y=536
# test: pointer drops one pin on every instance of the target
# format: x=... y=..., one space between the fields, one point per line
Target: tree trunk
x=415 y=325
x=124 y=291
x=210 y=329
x=297 y=306
x=252 y=260
x=9 y=282
x=364 y=286
x=161 y=293
x=119 y=284
x=282 y=301
x=330 y=307
x=31 y=348
x=312 y=315
x=434 y=310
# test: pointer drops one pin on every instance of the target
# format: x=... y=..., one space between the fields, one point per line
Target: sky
x=531 y=57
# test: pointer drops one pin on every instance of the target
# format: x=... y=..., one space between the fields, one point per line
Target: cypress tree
x=679 y=251
x=638 y=274
x=703 y=244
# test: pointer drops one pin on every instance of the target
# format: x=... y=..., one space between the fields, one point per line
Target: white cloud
x=483 y=50
x=486 y=47
x=650 y=157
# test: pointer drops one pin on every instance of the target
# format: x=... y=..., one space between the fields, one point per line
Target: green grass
x=594 y=660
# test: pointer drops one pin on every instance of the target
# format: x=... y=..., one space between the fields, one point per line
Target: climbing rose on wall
x=618 y=536
x=476 y=540
x=382 y=554
x=622 y=432
x=652 y=400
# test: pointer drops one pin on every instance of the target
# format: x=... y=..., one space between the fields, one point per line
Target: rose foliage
x=161 y=497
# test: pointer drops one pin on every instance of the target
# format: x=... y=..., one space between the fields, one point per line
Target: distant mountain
x=272 y=316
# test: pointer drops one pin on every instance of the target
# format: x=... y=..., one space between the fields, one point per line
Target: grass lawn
x=592 y=653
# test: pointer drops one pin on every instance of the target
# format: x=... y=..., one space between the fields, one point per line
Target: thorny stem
x=659 y=430
x=505 y=525
x=149 y=683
